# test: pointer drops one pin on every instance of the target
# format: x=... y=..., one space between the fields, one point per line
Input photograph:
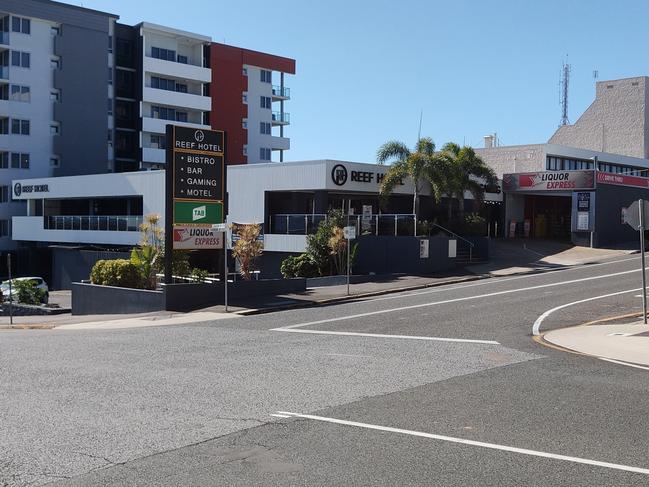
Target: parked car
x=38 y=281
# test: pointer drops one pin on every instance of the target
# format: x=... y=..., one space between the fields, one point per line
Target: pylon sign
x=195 y=177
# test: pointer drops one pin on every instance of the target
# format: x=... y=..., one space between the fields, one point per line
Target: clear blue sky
x=365 y=68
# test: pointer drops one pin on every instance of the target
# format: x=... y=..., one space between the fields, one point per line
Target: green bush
x=28 y=293
x=473 y=226
x=199 y=275
x=118 y=272
x=300 y=266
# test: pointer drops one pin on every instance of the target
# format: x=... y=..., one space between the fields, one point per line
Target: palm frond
x=393 y=150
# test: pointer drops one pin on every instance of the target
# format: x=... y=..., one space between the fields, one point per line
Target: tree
x=421 y=166
x=317 y=244
x=248 y=247
x=466 y=172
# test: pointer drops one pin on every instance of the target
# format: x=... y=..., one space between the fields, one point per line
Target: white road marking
x=623 y=363
x=498 y=281
x=280 y=415
x=377 y=335
x=537 y=324
x=453 y=300
x=482 y=444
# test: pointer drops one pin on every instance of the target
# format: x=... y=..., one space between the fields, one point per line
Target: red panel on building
x=227 y=87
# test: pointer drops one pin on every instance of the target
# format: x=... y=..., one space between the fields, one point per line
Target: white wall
x=256 y=115
x=39 y=111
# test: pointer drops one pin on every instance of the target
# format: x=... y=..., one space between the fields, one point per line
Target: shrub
x=28 y=293
x=118 y=272
x=318 y=245
x=199 y=275
x=300 y=266
x=248 y=247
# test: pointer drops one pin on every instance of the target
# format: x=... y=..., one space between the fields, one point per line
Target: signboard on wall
x=424 y=248
x=622 y=180
x=549 y=181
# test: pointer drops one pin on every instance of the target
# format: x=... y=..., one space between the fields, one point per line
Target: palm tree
x=466 y=172
x=421 y=166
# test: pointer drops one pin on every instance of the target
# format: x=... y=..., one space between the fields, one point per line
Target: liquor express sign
x=549 y=181
x=195 y=178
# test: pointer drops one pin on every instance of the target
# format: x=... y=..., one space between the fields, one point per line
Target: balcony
x=4 y=40
x=280 y=143
x=280 y=93
x=159 y=125
x=394 y=225
x=113 y=230
x=4 y=73
x=154 y=155
x=280 y=118
x=177 y=99
x=177 y=70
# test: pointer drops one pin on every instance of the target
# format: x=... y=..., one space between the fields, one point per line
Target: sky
x=366 y=69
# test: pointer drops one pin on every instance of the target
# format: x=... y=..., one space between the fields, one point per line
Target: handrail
x=455 y=234
x=471 y=244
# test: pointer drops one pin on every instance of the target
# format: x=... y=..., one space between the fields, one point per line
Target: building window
x=166 y=54
x=55 y=161
x=20 y=59
x=4 y=126
x=55 y=95
x=266 y=76
x=264 y=154
x=244 y=71
x=264 y=128
x=4 y=160
x=110 y=43
x=182 y=59
x=158 y=142
x=265 y=102
x=22 y=25
x=4 y=194
x=19 y=127
x=244 y=98
x=19 y=161
x=110 y=106
x=181 y=88
x=244 y=123
x=55 y=129
x=163 y=113
x=181 y=116
x=4 y=228
x=245 y=150
x=20 y=93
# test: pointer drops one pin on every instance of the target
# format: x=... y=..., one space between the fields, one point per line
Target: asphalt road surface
x=443 y=387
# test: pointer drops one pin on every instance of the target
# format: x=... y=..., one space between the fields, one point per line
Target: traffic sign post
x=11 y=298
x=636 y=217
x=349 y=234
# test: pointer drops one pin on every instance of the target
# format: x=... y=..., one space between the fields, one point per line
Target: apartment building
x=249 y=94
x=53 y=121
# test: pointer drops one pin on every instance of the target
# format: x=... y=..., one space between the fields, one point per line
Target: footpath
x=508 y=257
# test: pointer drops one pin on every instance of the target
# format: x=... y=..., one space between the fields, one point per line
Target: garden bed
x=31 y=310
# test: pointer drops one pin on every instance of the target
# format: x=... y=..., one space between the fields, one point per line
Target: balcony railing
x=280 y=117
x=281 y=92
x=307 y=224
x=97 y=223
x=4 y=38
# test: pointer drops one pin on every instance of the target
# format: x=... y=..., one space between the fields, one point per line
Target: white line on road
x=537 y=324
x=453 y=300
x=280 y=415
x=377 y=335
x=463 y=441
x=498 y=281
x=623 y=363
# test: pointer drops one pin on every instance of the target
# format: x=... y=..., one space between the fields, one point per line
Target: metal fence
x=98 y=223
x=307 y=224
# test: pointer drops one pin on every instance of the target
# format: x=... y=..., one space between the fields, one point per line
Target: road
x=443 y=386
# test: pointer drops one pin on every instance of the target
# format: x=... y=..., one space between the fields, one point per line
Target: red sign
x=195 y=237
x=549 y=181
x=622 y=180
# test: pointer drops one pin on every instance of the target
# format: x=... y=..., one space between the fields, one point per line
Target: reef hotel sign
x=196 y=175
x=549 y=181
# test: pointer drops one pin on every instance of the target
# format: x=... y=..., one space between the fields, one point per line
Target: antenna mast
x=565 y=80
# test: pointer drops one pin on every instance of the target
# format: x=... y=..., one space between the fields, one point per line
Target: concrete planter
x=31 y=310
x=91 y=299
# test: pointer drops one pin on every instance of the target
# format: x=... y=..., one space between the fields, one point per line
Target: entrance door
x=549 y=216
